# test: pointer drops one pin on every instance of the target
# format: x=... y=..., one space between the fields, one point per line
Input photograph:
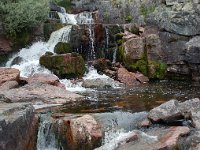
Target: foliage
x=22 y=15
x=64 y=3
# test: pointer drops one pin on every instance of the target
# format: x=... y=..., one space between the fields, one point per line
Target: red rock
x=9 y=74
x=44 y=78
x=5 y=45
x=170 y=139
x=126 y=77
x=145 y=123
x=140 y=77
x=9 y=85
x=83 y=132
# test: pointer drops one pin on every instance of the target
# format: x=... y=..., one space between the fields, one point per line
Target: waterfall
x=91 y=51
x=114 y=55
x=107 y=38
x=46 y=136
x=29 y=57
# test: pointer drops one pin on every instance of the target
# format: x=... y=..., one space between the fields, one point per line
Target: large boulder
x=39 y=92
x=65 y=65
x=83 y=132
x=63 y=48
x=18 y=126
x=9 y=74
x=180 y=18
x=166 y=112
x=45 y=78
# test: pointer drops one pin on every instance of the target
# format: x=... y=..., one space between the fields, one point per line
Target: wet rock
x=69 y=65
x=83 y=132
x=37 y=92
x=18 y=126
x=16 y=61
x=192 y=141
x=99 y=83
x=126 y=77
x=166 y=112
x=190 y=105
x=120 y=144
x=9 y=74
x=195 y=115
x=45 y=78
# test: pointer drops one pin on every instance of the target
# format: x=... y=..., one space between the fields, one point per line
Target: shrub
x=20 y=15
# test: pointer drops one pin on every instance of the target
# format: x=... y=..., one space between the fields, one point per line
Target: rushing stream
x=118 y=109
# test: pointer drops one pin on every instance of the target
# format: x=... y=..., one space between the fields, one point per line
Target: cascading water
x=46 y=135
x=114 y=55
x=91 y=52
x=30 y=56
x=107 y=38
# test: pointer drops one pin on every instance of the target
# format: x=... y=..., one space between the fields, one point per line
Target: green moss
x=157 y=69
x=49 y=28
x=21 y=39
x=129 y=18
x=63 y=48
x=121 y=54
x=65 y=3
x=140 y=65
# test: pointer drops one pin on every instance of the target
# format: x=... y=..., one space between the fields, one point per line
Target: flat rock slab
x=9 y=74
x=36 y=91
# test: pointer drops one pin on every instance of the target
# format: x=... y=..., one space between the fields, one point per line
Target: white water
x=30 y=56
x=46 y=137
x=81 y=18
x=114 y=55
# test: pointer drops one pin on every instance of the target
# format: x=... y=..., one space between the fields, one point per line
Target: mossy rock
x=157 y=70
x=140 y=65
x=64 y=65
x=21 y=39
x=63 y=48
x=49 y=28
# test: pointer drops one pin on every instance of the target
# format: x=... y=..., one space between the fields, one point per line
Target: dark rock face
x=64 y=65
x=18 y=126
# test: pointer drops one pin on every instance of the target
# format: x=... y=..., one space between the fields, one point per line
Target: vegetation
x=22 y=15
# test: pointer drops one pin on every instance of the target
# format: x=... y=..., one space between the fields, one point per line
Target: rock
x=18 y=126
x=9 y=85
x=37 y=92
x=193 y=50
x=189 y=105
x=166 y=112
x=99 y=83
x=190 y=142
x=9 y=74
x=169 y=140
x=195 y=116
x=5 y=45
x=141 y=78
x=63 y=48
x=120 y=144
x=126 y=77
x=69 y=65
x=145 y=123
x=85 y=132
x=134 y=48
x=181 y=19
x=45 y=78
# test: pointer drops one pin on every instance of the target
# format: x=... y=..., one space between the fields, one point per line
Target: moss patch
x=63 y=48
